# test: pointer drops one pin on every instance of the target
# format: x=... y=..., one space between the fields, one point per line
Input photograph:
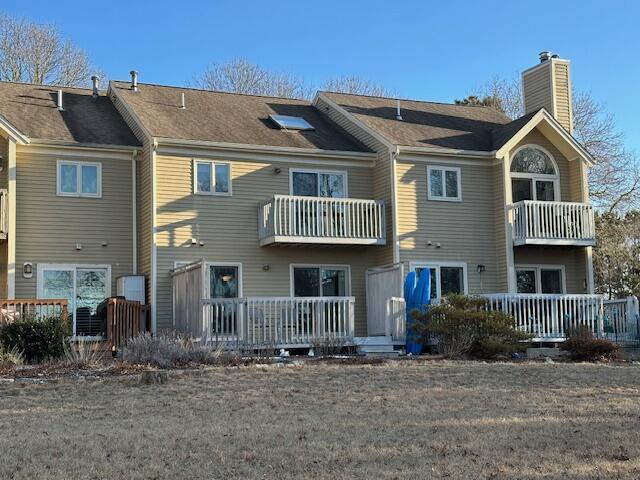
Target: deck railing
x=621 y=321
x=540 y=223
x=11 y=310
x=296 y=219
x=125 y=320
x=277 y=321
x=550 y=316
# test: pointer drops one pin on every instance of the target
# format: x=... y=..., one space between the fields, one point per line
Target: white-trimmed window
x=83 y=286
x=540 y=279
x=79 y=179
x=534 y=175
x=320 y=280
x=446 y=277
x=211 y=177
x=318 y=183
x=443 y=184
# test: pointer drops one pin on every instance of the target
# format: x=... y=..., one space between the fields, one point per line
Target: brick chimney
x=548 y=85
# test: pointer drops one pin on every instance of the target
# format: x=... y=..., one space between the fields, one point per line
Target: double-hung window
x=446 y=278
x=212 y=178
x=79 y=179
x=443 y=184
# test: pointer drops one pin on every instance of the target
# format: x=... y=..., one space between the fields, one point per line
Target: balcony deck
x=552 y=223
x=288 y=219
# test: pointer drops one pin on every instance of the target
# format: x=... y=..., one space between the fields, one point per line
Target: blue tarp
x=417 y=297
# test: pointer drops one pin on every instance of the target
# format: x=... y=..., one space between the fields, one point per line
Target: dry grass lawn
x=398 y=420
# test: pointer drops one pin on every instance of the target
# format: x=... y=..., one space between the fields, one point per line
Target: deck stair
x=378 y=345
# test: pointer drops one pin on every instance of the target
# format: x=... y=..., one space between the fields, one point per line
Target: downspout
x=134 y=213
x=11 y=216
x=154 y=258
x=394 y=211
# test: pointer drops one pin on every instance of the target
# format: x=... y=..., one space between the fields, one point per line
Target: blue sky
x=431 y=50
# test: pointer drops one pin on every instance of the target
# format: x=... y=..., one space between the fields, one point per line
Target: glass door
x=323 y=185
x=223 y=284
x=83 y=288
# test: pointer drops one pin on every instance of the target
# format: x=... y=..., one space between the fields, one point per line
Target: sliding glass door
x=83 y=287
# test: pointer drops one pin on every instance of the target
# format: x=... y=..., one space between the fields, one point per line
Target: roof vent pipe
x=60 y=100
x=95 y=80
x=182 y=104
x=134 y=80
x=398 y=115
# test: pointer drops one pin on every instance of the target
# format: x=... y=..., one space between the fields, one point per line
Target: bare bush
x=172 y=349
x=83 y=354
x=10 y=358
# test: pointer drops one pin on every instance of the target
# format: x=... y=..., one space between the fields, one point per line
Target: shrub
x=38 y=338
x=581 y=345
x=171 y=349
x=461 y=325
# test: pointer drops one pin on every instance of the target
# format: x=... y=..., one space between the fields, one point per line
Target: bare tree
x=355 y=85
x=36 y=53
x=241 y=76
x=614 y=180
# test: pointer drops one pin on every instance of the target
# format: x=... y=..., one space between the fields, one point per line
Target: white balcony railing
x=277 y=321
x=295 y=219
x=552 y=223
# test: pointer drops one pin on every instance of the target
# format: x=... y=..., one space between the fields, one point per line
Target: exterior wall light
x=27 y=270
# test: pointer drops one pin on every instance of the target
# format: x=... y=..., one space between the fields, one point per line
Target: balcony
x=552 y=223
x=287 y=219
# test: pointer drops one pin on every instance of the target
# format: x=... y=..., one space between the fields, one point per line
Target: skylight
x=286 y=122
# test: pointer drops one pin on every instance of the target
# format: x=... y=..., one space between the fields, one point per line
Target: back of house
x=282 y=221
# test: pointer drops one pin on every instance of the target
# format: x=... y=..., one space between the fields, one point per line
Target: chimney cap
x=547 y=55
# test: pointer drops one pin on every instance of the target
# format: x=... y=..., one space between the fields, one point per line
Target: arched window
x=534 y=175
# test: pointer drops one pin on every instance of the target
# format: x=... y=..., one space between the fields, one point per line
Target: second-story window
x=79 y=179
x=212 y=178
x=534 y=175
x=318 y=183
x=443 y=183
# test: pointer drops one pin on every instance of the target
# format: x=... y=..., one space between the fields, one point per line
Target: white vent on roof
x=285 y=122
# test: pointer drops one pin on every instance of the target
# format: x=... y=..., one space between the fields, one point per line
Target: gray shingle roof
x=501 y=135
x=231 y=118
x=426 y=124
x=32 y=109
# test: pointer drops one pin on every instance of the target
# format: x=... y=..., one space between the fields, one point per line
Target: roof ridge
x=29 y=84
x=412 y=100
x=204 y=90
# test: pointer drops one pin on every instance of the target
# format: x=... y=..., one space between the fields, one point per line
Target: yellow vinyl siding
x=536 y=86
x=573 y=259
x=381 y=173
x=49 y=226
x=562 y=94
x=144 y=184
x=499 y=218
x=4 y=151
x=466 y=230
x=227 y=226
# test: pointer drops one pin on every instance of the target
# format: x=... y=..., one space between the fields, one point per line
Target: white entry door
x=84 y=287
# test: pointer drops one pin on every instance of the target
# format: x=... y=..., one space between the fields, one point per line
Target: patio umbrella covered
x=417 y=297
